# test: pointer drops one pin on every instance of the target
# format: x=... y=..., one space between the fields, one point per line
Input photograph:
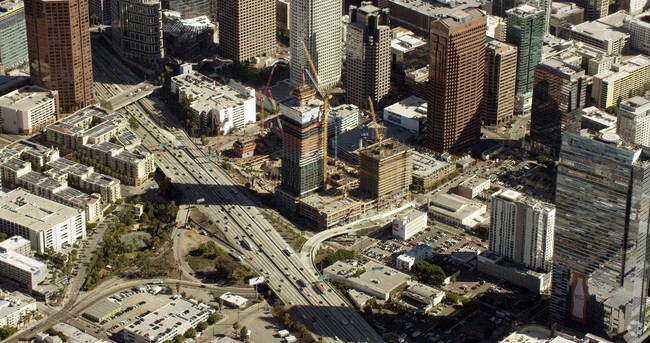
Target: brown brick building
x=247 y=29
x=58 y=39
x=456 y=77
x=499 y=90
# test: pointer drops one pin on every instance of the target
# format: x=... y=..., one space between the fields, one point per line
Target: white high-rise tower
x=318 y=24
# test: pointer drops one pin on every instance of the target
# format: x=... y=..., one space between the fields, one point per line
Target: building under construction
x=244 y=147
x=329 y=208
x=385 y=168
x=302 y=146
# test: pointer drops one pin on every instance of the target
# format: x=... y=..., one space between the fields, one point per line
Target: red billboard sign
x=579 y=297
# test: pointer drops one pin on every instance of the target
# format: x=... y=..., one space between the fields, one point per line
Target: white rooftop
x=29 y=210
x=26 y=98
x=411 y=107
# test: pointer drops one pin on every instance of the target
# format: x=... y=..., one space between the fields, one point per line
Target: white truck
x=288 y=251
x=283 y=333
x=290 y=339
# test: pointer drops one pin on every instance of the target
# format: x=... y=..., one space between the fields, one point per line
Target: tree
x=429 y=273
x=243 y=333
x=451 y=298
x=133 y=123
x=235 y=326
x=179 y=338
x=6 y=332
x=213 y=318
x=3 y=236
x=178 y=286
x=200 y=327
x=191 y=332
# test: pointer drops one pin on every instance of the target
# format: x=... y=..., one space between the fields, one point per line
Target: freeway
x=325 y=314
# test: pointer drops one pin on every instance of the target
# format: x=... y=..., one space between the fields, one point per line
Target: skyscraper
x=385 y=168
x=559 y=94
x=318 y=24
x=600 y=267
x=137 y=31
x=521 y=229
x=368 y=55
x=302 y=143
x=596 y=9
x=13 y=45
x=525 y=30
x=499 y=95
x=247 y=29
x=456 y=77
x=58 y=40
x=192 y=8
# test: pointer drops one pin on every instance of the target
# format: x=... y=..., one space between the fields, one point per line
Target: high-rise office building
x=13 y=45
x=558 y=96
x=594 y=9
x=499 y=89
x=100 y=12
x=58 y=39
x=633 y=124
x=456 y=77
x=137 y=31
x=525 y=30
x=302 y=143
x=247 y=29
x=600 y=263
x=521 y=229
x=368 y=55
x=385 y=167
x=192 y=8
x=318 y=24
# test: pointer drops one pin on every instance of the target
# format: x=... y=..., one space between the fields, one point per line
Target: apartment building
x=623 y=80
x=28 y=109
x=633 y=124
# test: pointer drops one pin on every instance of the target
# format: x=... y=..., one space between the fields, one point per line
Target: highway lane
x=225 y=201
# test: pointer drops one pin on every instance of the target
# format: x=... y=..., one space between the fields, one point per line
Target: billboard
x=579 y=297
x=256 y=280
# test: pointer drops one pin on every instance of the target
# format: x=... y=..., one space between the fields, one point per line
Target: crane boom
x=325 y=94
x=374 y=121
x=266 y=89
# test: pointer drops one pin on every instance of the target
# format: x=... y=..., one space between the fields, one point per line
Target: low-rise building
x=18 y=245
x=102 y=311
x=607 y=33
x=404 y=262
x=28 y=109
x=473 y=186
x=410 y=113
x=492 y=263
x=418 y=81
x=12 y=169
x=409 y=223
x=408 y=51
x=167 y=321
x=85 y=179
x=14 y=307
x=47 y=224
x=426 y=295
x=329 y=208
x=36 y=154
x=596 y=120
x=229 y=106
x=375 y=279
x=23 y=270
x=58 y=190
x=234 y=300
x=428 y=170
x=420 y=252
x=457 y=210
x=71 y=334
x=534 y=333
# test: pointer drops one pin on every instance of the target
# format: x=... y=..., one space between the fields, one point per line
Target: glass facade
x=601 y=232
x=525 y=30
x=13 y=45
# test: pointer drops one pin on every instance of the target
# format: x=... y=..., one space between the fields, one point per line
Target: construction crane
x=325 y=93
x=378 y=135
x=276 y=113
x=266 y=89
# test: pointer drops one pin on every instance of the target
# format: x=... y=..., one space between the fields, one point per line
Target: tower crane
x=325 y=93
x=378 y=135
x=262 y=110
